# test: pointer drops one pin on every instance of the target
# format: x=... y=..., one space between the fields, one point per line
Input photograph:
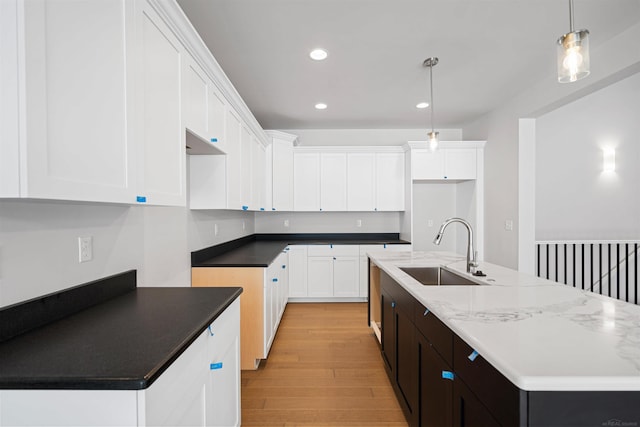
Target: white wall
x=310 y=137
x=39 y=249
x=574 y=198
x=611 y=61
x=328 y=222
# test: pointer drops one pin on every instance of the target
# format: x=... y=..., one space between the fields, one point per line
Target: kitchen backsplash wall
x=327 y=222
x=39 y=243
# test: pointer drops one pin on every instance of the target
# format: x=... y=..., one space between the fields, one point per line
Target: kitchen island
x=519 y=350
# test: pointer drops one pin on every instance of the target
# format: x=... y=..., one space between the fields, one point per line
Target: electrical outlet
x=85 y=249
x=286 y=223
x=358 y=223
x=215 y=229
x=508 y=225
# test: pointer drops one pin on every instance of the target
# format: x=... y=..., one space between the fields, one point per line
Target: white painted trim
x=446 y=144
x=289 y=137
x=184 y=30
x=349 y=149
x=527 y=195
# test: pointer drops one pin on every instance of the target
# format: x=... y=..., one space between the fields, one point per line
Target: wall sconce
x=608 y=159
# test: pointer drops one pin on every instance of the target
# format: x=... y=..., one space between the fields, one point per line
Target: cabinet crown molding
x=417 y=145
x=196 y=47
x=276 y=134
x=349 y=149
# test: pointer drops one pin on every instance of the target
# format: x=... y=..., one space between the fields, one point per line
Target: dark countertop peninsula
x=259 y=250
x=120 y=341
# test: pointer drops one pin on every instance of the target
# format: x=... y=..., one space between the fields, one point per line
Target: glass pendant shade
x=573 y=56
x=433 y=140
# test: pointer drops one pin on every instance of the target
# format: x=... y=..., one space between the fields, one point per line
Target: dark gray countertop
x=260 y=250
x=124 y=343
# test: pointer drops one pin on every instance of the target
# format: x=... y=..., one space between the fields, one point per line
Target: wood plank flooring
x=324 y=369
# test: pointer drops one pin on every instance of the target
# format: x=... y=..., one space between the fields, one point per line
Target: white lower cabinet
x=276 y=294
x=200 y=388
x=332 y=271
x=297 y=271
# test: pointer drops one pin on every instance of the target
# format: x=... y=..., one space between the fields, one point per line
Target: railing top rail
x=587 y=242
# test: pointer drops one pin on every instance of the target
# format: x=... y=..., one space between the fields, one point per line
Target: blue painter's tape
x=284 y=266
x=274 y=279
x=214 y=139
x=273 y=209
x=393 y=304
x=426 y=311
x=245 y=207
x=214 y=366
x=141 y=199
x=473 y=355
x=210 y=331
x=385 y=246
x=331 y=245
x=261 y=209
x=447 y=375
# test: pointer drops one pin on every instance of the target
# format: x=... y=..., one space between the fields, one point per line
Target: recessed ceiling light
x=318 y=54
x=321 y=106
x=422 y=105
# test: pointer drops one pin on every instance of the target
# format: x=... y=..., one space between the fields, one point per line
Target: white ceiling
x=489 y=50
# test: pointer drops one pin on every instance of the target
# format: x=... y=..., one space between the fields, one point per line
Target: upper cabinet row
x=348 y=181
x=91 y=103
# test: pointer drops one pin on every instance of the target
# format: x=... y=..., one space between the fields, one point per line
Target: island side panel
x=251 y=279
x=375 y=314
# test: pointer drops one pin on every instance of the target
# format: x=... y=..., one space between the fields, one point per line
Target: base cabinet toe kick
x=439 y=380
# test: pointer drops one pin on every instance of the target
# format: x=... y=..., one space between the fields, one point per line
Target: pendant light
x=573 y=53
x=433 y=135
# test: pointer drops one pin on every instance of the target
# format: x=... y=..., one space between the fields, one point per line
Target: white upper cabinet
x=280 y=186
x=306 y=181
x=444 y=164
x=204 y=110
x=390 y=181
x=233 y=161
x=349 y=179
x=159 y=127
x=333 y=181
x=258 y=175
x=67 y=68
x=195 y=103
x=361 y=181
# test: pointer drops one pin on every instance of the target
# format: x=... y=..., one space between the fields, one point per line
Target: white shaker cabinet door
x=460 y=163
x=320 y=277
x=361 y=182
x=223 y=385
x=217 y=117
x=74 y=74
x=195 y=98
x=345 y=276
x=390 y=181
x=297 y=267
x=282 y=192
x=160 y=131
x=333 y=181
x=306 y=181
x=233 y=160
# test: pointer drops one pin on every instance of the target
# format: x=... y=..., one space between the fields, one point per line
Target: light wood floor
x=324 y=369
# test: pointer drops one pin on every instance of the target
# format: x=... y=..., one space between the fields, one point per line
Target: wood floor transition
x=324 y=369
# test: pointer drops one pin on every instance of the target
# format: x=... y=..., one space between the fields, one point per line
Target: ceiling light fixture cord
x=571 y=16
x=431 y=93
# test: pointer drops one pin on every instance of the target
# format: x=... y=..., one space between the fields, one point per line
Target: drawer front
x=333 y=250
x=495 y=391
x=436 y=332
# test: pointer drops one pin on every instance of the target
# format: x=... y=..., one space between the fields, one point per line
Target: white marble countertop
x=539 y=334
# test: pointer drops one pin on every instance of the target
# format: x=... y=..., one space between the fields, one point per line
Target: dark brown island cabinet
x=439 y=380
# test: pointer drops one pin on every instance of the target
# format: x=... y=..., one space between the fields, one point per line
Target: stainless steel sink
x=436 y=276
